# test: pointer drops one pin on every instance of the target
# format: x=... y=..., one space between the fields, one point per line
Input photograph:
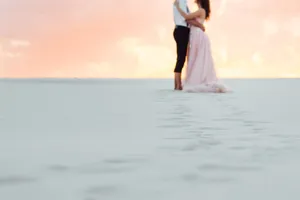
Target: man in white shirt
x=181 y=35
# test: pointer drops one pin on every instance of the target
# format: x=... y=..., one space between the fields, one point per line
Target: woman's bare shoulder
x=202 y=10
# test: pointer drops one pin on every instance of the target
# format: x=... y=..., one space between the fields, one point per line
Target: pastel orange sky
x=133 y=38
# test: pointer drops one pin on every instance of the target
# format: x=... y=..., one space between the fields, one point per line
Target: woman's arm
x=187 y=16
x=196 y=23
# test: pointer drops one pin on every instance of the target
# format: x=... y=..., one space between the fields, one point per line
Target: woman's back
x=201 y=19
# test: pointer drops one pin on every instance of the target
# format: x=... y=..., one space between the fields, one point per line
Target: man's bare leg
x=178 y=85
x=175 y=82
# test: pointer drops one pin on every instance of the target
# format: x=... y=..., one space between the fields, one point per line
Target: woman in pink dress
x=200 y=74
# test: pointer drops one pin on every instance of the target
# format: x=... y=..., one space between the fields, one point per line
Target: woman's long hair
x=205 y=4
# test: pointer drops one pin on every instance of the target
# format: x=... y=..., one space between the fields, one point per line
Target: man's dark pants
x=181 y=36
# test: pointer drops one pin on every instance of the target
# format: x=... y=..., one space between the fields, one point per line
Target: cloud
x=270 y=27
x=221 y=10
x=19 y=43
x=134 y=38
x=67 y=33
x=292 y=26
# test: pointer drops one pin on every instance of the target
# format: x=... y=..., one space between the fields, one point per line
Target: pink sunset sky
x=133 y=38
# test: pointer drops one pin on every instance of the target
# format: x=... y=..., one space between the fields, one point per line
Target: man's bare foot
x=219 y=90
x=179 y=87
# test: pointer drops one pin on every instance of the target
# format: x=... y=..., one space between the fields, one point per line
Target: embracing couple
x=193 y=42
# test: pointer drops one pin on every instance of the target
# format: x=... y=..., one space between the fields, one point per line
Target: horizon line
x=98 y=78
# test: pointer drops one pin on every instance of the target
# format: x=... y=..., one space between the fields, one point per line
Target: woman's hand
x=176 y=3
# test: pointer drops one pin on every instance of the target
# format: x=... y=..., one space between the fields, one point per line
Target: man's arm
x=186 y=16
x=196 y=23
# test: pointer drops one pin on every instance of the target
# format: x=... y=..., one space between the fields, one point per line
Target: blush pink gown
x=201 y=74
